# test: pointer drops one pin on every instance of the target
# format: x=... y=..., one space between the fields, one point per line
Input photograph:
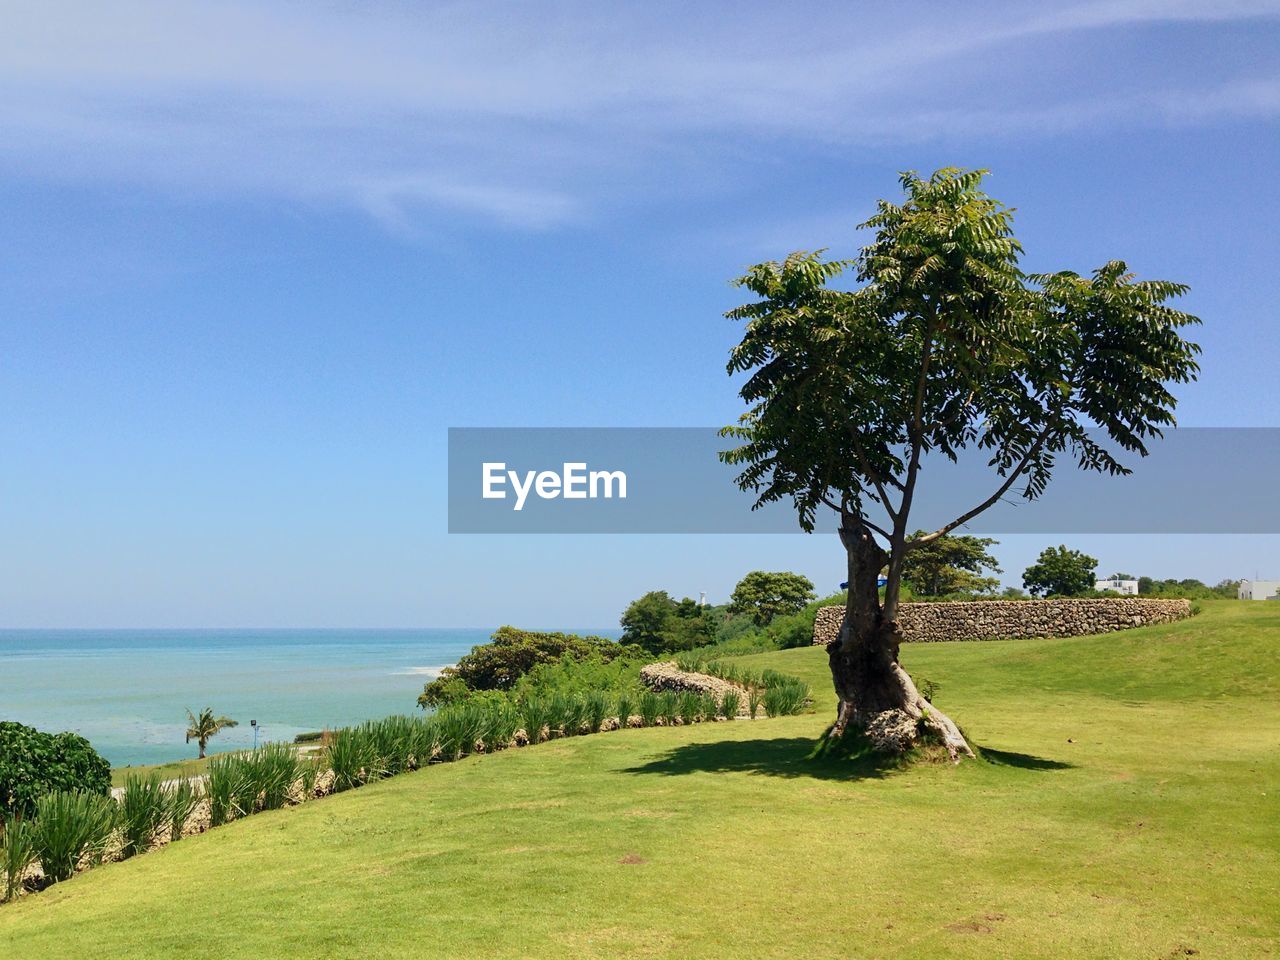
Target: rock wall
x=1011 y=619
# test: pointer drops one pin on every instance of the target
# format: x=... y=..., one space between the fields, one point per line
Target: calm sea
x=127 y=691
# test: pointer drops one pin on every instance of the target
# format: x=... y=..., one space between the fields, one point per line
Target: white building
x=1127 y=587
x=1258 y=589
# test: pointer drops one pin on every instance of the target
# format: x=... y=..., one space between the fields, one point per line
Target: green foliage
x=508 y=656
x=1060 y=572
x=946 y=345
x=580 y=677
x=269 y=775
x=784 y=700
x=144 y=808
x=950 y=565
x=689 y=706
x=17 y=853
x=755 y=697
x=597 y=709
x=658 y=624
x=202 y=727
x=182 y=798
x=649 y=707
x=1189 y=588
x=33 y=763
x=624 y=708
x=763 y=596
x=536 y=717
x=226 y=788
x=669 y=706
x=730 y=703
x=71 y=827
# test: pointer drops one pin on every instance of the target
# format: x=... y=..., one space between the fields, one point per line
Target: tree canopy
x=762 y=595
x=1061 y=572
x=951 y=564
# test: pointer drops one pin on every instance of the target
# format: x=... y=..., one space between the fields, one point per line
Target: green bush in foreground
x=182 y=799
x=144 y=807
x=71 y=826
x=33 y=763
x=17 y=854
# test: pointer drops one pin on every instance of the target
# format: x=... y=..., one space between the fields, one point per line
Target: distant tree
x=1122 y=576
x=508 y=656
x=203 y=727
x=1013 y=593
x=762 y=595
x=1061 y=572
x=645 y=621
x=1146 y=585
x=950 y=565
x=945 y=345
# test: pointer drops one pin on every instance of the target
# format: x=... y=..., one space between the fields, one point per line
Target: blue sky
x=255 y=259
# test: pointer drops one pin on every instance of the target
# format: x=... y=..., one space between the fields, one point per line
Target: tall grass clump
x=649 y=707
x=689 y=706
x=453 y=727
x=785 y=699
x=181 y=799
x=227 y=789
x=144 y=808
x=536 y=714
x=17 y=855
x=597 y=709
x=754 y=698
x=70 y=827
x=624 y=708
x=350 y=757
x=669 y=707
x=730 y=702
x=270 y=773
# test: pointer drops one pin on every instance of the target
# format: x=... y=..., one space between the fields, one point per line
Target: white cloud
x=525 y=114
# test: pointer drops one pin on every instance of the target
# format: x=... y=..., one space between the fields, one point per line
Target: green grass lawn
x=1127 y=808
x=169 y=771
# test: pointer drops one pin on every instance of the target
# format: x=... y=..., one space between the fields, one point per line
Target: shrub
x=668 y=707
x=624 y=708
x=33 y=763
x=227 y=787
x=535 y=714
x=597 y=708
x=512 y=653
x=689 y=706
x=17 y=855
x=182 y=799
x=308 y=773
x=144 y=808
x=754 y=699
x=270 y=773
x=730 y=703
x=71 y=826
x=649 y=707
x=785 y=699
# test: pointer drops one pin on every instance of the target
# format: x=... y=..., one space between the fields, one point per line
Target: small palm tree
x=204 y=726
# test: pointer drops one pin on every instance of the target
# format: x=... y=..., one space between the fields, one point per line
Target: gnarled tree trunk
x=864 y=658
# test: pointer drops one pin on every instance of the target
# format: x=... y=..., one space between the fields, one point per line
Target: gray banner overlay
x=567 y=480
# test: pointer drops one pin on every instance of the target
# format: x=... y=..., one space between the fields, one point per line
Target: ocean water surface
x=127 y=691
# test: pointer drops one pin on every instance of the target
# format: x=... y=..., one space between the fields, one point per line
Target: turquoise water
x=127 y=690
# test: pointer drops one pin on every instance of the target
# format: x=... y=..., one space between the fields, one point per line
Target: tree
x=950 y=564
x=645 y=621
x=1067 y=573
x=508 y=656
x=661 y=625
x=763 y=596
x=206 y=726
x=945 y=345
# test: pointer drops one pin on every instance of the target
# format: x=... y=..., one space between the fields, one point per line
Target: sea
x=127 y=691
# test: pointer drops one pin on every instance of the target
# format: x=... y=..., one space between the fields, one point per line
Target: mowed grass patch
x=1124 y=809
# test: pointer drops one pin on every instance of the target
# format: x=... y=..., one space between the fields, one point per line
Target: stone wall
x=1010 y=619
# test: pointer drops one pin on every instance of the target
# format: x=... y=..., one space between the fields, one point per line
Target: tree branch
x=1004 y=488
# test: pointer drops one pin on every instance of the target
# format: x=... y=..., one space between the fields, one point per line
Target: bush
x=730 y=703
x=182 y=799
x=649 y=707
x=33 y=763
x=71 y=826
x=144 y=807
x=226 y=787
x=624 y=709
x=17 y=855
x=509 y=655
x=785 y=699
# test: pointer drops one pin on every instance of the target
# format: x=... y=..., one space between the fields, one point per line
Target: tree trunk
x=202 y=744
x=864 y=657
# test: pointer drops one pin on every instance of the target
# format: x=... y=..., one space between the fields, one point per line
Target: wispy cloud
x=526 y=114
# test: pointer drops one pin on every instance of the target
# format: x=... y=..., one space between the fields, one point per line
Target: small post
x=254 y=724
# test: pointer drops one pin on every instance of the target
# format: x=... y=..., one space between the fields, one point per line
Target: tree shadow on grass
x=801 y=757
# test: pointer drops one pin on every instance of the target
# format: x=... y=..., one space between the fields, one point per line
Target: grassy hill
x=1127 y=807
